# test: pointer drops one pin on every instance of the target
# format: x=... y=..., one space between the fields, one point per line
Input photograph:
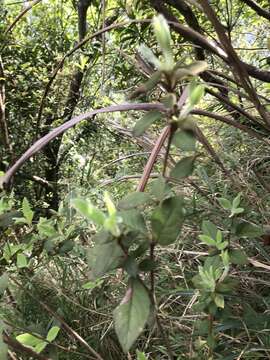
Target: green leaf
x=3 y=346
x=140 y=355
x=4 y=281
x=197 y=67
x=131 y=267
x=236 y=201
x=104 y=257
x=207 y=240
x=92 y=284
x=238 y=257
x=213 y=261
x=3 y=350
x=21 y=220
x=183 y=168
x=52 y=334
x=219 y=300
x=162 y=33
x=227 y=285
x=40 y=346
x=195 y=93
x=160 y=189
x=109 y=204
x=147 y=86
x=249 y=230
x=111 y=224
x=219 y=236
x=27 y=211
x=169 y=101
x=236 y=211
x=209 y=229
x=225 y=203
x=149 y=56
x=46 y=228
x=28 y=340
x=134 y=220
x=167 y=220
x=134 y=199
x=21 y=260
x=222 y=246
x=89 y=211
x=185 y=140
x=145 y=122
x=131 y=315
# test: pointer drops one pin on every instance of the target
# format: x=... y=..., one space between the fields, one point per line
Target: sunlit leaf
x=27 y=211
x=149 y=56
x=52 y=334
x=28 y=340
x=195 y=93
x=21 y=260
x=219 y=300
x=225 y=203
x=140 y=355
x=86 y=209
x=207 y=240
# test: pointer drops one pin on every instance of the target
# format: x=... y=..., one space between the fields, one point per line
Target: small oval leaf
x=183 y=168
x=147 y=120
x=184 y=140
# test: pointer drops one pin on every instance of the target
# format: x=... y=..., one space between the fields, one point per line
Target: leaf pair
x=36 y=343
x=232 y=206
x=212 y=236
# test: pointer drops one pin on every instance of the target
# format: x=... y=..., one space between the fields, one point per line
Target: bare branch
x=25 y=10
x=41 y=143
x=260 y=11
x=240 y=71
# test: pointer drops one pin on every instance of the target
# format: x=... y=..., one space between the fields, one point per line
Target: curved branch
x=42 y=142
x=234 y=61
x=231 y=122
x=191 y=20
x=152 y=158
x=25 y=10
x=260 y=11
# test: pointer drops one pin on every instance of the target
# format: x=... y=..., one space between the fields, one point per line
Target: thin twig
x=25 y=10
